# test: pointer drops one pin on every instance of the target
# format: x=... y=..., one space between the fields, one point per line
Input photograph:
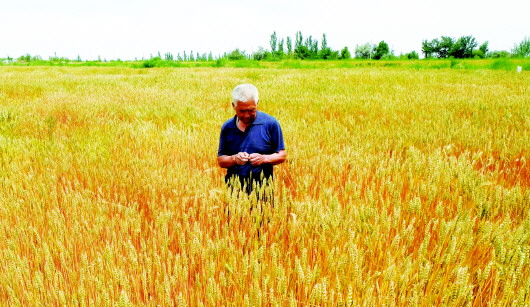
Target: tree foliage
x=309 y=48
x=345 y=53
x=236 y=55
x=445 y=47
x=365 y=51
x=413 y=55
x=381 y=50
x=482 y=51
x=273 y=41
x=300 y=47
x=522 y=49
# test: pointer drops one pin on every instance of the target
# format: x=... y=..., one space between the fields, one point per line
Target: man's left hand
x=257 y=159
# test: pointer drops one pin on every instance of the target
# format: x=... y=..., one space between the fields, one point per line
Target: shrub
x=503 y=64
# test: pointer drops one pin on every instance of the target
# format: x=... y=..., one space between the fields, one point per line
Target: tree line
x=445 y=47
x=309 y=48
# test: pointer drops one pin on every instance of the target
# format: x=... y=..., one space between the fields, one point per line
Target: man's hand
x=257 y=159
x=241 y=158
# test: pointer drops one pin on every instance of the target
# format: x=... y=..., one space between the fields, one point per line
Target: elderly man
x=251 y=142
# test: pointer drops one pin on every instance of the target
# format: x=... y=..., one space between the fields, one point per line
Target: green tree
x=427 y=48
x=298 y=42
x=24 y=58
x=273 y=42
x=381 y=50
x=325 y=51
x=345 y=53
x=300 y=50
x=499 y=54
x=463 y=48
x=413 y=55
x=482 y=51
x=522 y=49
x=312 y=47
x=365 y=51
x=280 y=52
x=324 y=43
x=236 y=55
x=444 y=47
x=261 y=54
x=289 y=46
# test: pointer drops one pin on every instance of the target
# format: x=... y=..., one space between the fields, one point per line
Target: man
x=251 y=142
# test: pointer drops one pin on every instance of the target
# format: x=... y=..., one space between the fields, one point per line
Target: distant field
x=507 y=64
x=403 y=186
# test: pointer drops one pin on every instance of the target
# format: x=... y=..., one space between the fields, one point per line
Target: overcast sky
x=129 y=29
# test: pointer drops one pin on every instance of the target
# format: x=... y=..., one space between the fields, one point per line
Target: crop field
x=403 y=187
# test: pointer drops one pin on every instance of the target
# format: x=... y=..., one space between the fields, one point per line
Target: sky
x=136 y=29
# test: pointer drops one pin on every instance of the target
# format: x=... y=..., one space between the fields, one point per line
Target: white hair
x=244 y=93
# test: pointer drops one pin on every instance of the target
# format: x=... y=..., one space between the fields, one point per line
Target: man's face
x=246 y=111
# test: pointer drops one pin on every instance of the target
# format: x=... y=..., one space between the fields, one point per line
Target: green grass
x=507 y=64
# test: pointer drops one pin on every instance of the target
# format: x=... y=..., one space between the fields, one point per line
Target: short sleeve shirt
x=263 y=136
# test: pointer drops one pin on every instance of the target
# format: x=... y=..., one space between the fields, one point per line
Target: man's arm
x=226 y=161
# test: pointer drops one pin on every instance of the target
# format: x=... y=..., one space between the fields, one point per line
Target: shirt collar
x=258 y=121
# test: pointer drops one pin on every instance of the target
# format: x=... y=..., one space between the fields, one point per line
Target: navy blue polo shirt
x=263 y=136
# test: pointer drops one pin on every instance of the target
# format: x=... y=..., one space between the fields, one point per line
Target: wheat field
x=403 y=187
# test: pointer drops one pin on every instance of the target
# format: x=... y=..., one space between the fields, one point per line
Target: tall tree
x=274 y=42
x=463 y=47
x=381 y=50
x=325 y=51
x=280 y=51
x=301 y=51
x=522 y=49
x=345 y=53
x=427 y=48
x=313 y=49
x=298 y=40
x=484 y=49
x=309 y=42
x=445 y=47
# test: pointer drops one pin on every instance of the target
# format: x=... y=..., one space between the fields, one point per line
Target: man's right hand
x=241 y=158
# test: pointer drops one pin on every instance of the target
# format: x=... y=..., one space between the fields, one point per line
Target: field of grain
x=402 y=187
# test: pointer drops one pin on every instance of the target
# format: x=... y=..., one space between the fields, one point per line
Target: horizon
x=128 y=30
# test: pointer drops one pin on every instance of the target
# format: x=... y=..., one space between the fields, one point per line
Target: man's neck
x=241 y=125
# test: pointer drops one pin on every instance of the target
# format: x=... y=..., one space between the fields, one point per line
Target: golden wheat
x=402 y=187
